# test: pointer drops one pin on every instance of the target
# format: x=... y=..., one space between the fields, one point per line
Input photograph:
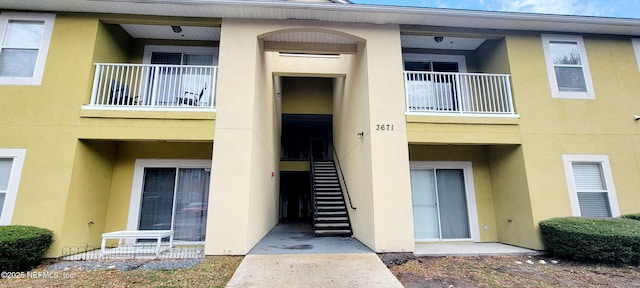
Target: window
x=11 y=161
x=636 y=48
x=24 y=43
x=567 y=67
x=591 y=189
x=171 y=195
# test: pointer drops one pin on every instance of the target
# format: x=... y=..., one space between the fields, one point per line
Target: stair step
x=331 y=225
x=329 y=198
x=321 y=233
x=330 y=207
x=331 y=213
x=330 y=202
x=338 y=218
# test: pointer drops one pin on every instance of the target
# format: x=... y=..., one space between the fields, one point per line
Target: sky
x=602 y=8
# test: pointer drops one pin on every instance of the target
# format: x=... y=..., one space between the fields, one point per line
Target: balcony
x=475 y=94
x=153 y=87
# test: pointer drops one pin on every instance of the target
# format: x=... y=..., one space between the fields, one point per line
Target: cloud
x=566 y=7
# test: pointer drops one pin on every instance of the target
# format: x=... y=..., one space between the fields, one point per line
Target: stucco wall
x=306 y=95
x=553 y=127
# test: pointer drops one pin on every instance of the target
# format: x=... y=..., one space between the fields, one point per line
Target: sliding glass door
x=175 y=198
x=439 y=204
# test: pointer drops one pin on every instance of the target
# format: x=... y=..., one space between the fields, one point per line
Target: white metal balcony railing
x=459 y=93
x=153 y=86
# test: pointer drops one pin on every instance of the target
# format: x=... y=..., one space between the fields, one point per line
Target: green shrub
x=602 y=240
x=21 y=247
x=631 y=216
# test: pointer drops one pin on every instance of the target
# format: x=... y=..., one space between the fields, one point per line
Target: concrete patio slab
x=297 y=238
x=313 y=270
x=470 y=249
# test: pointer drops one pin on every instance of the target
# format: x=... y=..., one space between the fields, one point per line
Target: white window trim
x=148 y=49
x=460 y=59
x=555 y=92
x=636 y=48
x=472 y=208
x=138 y=177
x=18 y=156
x=49 y=20
x=603 y=160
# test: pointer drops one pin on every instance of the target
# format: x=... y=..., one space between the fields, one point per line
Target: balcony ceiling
x=447 y=43
x=335 y=12
x=166 y=32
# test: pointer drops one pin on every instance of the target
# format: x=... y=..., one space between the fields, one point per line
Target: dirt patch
x=506 y=271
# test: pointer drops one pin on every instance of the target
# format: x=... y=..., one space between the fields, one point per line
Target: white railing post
x=406 y=90
x=154 y=87
x=507 y=86
x=458 y=93
x=213 y=84
x=96 y=81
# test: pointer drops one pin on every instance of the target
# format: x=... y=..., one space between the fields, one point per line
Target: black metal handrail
x=344 y=182
x=313 y=187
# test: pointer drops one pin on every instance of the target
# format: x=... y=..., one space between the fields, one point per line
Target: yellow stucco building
x=218 y=119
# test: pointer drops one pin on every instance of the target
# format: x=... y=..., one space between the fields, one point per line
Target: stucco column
x=391 y=187
x=227 y=221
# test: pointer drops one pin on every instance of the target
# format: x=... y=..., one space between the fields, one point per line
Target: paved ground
x=289 y=256
x=297 y=238
x=313 y=270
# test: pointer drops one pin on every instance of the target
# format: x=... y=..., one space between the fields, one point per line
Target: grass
x=511 y=271
x=214 y=271
x=484 y=271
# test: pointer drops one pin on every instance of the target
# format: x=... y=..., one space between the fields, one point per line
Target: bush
x=21 y=247
x=631 y=216
x=602 y=240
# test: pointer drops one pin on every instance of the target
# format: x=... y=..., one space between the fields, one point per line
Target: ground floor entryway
x=296 y=237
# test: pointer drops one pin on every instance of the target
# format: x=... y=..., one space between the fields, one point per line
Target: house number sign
x=384 y=127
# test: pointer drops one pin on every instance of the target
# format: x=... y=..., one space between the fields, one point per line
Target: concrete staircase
x=330 y=214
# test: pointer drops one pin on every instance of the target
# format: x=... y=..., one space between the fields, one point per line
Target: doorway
x=443 y=203
x=304 y=137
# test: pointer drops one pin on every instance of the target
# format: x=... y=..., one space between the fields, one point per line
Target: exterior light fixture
x=176 y=29
x=438 y=39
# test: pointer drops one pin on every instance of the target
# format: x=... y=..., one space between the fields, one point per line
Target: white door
x=175 y=198
x=440 y=208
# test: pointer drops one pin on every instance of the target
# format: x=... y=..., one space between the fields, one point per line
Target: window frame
x=416 y=57
x=603 y=161
x=18 y=156
x=149 y=49
x=43 y=50
x=635 y=42
x=586 y=71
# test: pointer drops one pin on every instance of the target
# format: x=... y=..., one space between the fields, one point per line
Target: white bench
x=138 y=234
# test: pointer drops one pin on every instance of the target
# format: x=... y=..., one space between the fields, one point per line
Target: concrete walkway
x=290 y=256
x=313 y=270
